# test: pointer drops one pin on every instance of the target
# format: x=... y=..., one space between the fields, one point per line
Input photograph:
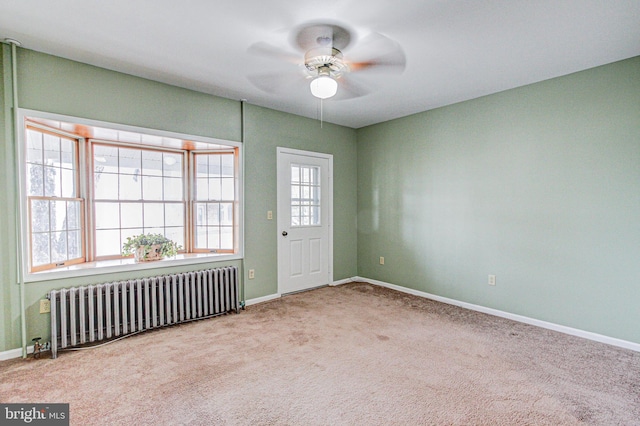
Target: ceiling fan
x=326 y=59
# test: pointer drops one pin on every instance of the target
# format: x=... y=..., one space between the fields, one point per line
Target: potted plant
x=147 y=247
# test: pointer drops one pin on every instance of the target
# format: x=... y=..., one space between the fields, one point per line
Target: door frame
x=279 y=198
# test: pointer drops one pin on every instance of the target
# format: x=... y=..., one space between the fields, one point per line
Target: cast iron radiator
x=98 y=312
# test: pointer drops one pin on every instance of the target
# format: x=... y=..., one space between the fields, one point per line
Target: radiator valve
x=37 y=347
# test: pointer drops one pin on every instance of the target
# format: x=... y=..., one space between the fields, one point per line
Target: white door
x=305 y=214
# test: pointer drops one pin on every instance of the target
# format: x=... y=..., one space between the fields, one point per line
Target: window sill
x=126 y=265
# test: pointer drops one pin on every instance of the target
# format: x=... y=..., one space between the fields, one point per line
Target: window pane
x=58 y=211
x=108 y=243
x=226 y=238
x=130 y=187
x=154 y=231
x=227 y=189
x=201 y=237
x=35 y=180
x=73 y=215
x=130 y=161
x=215 y=191
x=106 y=186
x=58 y=247
x=107 y=216
x=152 y=187
x=68 y=183
x=74 y=244
x=131 y=215
x=51 y=150
x=202 y=166
x=40 y=249
x=151 y=163
x=314 y=176
x=176 y=234
x=226 y=214
x=172 y=165
x=213 y=237
x=305 y=197
x=227 y=165
x=214 y=165
x=105 y=159
x=202 y=189
x=295 y=174
x=213 y=214
x=172 y=189
x=153 y=215
x=39 y=216
x=201 y=214
x=34 y=147
x=315 y=215
x=52 y=182
x=67 y=148
x=174 y=215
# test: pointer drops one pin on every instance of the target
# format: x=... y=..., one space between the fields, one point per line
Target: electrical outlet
x=381 y=260
x=45 y=306
x=252 y=274
x=269 y=215
x=492 y=280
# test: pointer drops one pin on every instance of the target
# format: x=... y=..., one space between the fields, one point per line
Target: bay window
x=89 y=187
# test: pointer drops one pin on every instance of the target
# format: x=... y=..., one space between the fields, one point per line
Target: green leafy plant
x=150 y=247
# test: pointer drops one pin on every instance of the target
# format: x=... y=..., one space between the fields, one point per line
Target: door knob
x=285 y=233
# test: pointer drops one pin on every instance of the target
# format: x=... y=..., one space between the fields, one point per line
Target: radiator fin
x=99 y=312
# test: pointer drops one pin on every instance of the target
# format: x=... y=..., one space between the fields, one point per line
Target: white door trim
x=279 y=195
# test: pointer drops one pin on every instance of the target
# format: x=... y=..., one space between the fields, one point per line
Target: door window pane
x=305 y=195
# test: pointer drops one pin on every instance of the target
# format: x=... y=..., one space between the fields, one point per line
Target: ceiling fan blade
x=349 y=88
x=270 y=51
x=276 y=82
x=378 y=52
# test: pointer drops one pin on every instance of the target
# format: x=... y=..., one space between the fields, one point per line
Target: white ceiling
x=455 y=49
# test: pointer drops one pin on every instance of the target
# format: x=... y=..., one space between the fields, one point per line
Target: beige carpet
x=354 y=354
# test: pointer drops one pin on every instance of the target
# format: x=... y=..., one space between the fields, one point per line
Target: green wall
x=57 y=85
x=539 y=185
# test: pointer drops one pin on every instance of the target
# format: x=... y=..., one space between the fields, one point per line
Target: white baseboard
x=262 y=299
x=519 y=318
x=278 y=295
x=340 y=282
x=17 y=353
x=14 y=353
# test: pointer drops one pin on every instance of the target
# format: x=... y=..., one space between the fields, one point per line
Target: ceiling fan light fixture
x=324 y=87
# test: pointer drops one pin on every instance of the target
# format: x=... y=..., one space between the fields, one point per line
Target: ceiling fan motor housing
x=325 y=59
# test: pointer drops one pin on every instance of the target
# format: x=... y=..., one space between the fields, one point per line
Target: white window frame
x=121 y=265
